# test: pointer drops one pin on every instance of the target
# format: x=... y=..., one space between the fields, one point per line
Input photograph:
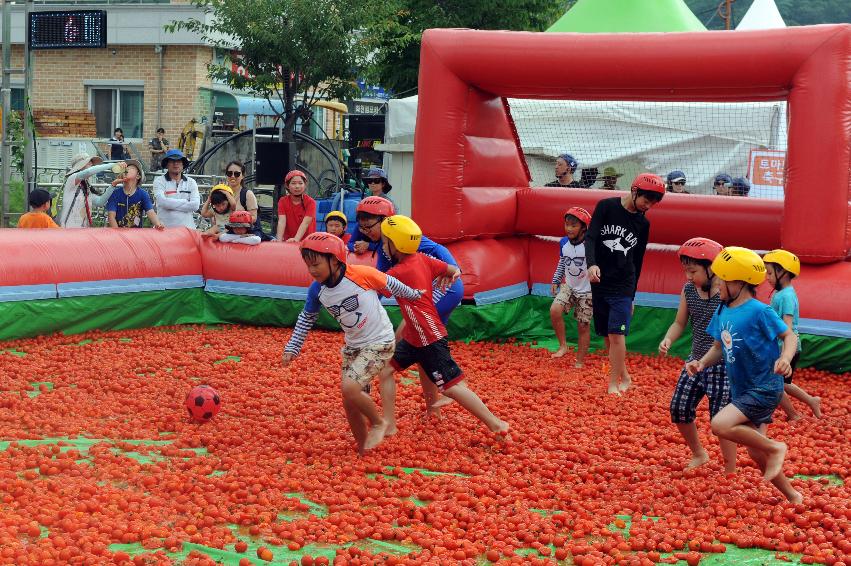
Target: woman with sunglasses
x=245 y=198
x=176 y=194
x=378 y=185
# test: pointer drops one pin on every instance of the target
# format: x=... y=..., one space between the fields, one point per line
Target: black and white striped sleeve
x=558 y=277
x=305 y=322
x=399 y=289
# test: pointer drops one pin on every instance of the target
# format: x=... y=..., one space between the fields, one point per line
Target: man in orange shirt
x=40 y=203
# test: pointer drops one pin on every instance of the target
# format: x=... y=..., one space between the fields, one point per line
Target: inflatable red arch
x=470 y=183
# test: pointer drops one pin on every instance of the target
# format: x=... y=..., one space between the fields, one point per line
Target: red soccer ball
x=203 y=403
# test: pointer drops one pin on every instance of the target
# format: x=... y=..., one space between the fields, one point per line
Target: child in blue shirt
x=780 y=268
x=128 y=207
x=746 y=334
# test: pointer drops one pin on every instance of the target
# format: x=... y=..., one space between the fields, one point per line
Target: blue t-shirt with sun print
x=748 y=335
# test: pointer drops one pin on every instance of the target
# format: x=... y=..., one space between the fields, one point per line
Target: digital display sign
x=67 y=29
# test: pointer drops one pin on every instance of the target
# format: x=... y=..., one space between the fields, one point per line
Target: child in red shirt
x=424 y=336
x=296 y=210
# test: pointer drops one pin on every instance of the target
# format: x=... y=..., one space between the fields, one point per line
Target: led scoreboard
x=67 y=29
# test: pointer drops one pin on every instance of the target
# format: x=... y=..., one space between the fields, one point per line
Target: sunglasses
x=372 y=181
x=720 y=183
x=679 y=182
x=367 y=227
x=233 y=173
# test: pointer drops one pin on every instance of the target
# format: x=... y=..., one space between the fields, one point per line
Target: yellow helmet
x=403 y=232
x=222 y=187
x=336 y=215
x=739 y=264
x=786 y=260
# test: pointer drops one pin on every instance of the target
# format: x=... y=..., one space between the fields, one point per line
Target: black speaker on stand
x=273 y=160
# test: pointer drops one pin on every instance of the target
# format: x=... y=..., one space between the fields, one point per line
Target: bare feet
x=795 y=498
x=625 y=383
x=579 y=365
x=698 y=460
x=432 y=413
x=816 y=407
x=773 y=461
x=562 y=350
x=375 y=435
x=390 y=430
x=442 y=401
x=614 y=389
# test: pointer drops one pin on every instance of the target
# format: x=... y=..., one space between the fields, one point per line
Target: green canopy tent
x=624 y=16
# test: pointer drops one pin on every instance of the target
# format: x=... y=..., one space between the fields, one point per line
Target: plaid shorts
x=568 y=298
x=363 y=364
x=711 y=382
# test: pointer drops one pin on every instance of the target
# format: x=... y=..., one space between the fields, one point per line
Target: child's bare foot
x=562 y=350
x=730 y=469
x=579 y=364
x=375 y=435
x=795 y=498
x=774 y=461
x=815 y=407
x=432 y=413
x=698 y=460
x=442 y=401
x=614 y=389
x=391 y=429
x=625 y=383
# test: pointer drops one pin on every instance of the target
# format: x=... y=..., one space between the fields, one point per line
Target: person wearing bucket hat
x=40 y=202
x=127 y=207
x=378 y=185
x=176 y=194
x=240 y=229
x=78 y=197
x=676 y=182
x=610 y=178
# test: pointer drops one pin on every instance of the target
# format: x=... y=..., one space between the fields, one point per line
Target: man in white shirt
x=177 y=195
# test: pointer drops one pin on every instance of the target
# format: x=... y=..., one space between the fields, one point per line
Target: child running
x=424 y=336
x=346 y=291
x=699 y=300
x=780 y=268
x=615 y=245
x=572 y=276
x=746 y=333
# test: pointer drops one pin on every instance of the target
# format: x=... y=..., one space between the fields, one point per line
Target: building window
x=17 y=99
x=118 y=108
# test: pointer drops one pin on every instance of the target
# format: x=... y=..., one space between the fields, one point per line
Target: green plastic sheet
x=619 y=16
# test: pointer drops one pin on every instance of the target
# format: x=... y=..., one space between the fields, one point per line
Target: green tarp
x=525 y=319
x=624 y=16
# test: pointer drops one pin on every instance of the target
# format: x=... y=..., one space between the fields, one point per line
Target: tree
x=394 y=32
x=292 y=51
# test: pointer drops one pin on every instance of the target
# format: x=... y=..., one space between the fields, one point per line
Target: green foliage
x=16 y=133
x=794 y=12
x=293 y=51
x=394 y=31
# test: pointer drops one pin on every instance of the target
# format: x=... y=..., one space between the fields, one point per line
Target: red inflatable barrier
x=753 y=223
x=272 y=264
x=32 y=257
x=491 y=264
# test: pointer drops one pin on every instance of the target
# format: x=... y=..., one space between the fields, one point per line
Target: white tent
x=763 y=14
x=701 y=139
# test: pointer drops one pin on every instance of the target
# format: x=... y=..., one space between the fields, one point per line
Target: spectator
x=722 y=184
x=176 y=194
x=676 y=182
x=238 y=230
x=118 y=151
x=158 y=145
x=610 y=179
x=218 y=207
x=245 y=198
x=740 y=187
x=565 y=168
x=378 y=185
x=77 y=202
x=127 y=207
x=296 y=210
x=40 y=202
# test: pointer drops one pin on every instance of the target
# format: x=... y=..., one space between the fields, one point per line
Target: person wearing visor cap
x=722 y=184
x=78 y=198
x=376 y=182
x=676 y=182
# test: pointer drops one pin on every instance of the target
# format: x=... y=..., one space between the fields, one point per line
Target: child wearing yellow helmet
x=424 y=338
x=336 y=223
x=781 y=267
x=746 y=334
x=218 y=206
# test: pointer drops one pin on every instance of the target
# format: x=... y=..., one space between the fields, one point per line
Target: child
x=218 y=207
x=424 y=336
x=575 y=293
x=40 y=202
x=780 y=268
x=614 y=249
x=371 y=212
x=335 y=223
x=746 y=333
x=239 y=230
x=126 y=208
x=699 y=300
x=296 y=210
x=346 y=291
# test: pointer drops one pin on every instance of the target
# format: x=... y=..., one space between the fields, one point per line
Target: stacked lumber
x=64 y=123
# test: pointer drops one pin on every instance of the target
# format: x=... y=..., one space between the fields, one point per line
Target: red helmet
x=700 y=248
x=579 y=213
x=325 y=243
x=649 y=182
x=240 y=219
x=376 y=206
x=294 y=173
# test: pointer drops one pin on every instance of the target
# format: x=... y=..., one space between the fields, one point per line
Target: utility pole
x=29 y=135
x=6 y=142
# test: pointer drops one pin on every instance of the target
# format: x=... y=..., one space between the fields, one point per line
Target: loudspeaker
x=273 y=162
x=366 y=127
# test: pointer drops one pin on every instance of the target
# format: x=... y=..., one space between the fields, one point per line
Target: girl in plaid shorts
x=698 y=302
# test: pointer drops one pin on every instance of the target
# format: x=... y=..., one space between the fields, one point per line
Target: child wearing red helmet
x=348 y=293
x=614 y=250
x=371 y=211
x=570 y=285
x=239 y=229
x=296 y=209
x=699 y=300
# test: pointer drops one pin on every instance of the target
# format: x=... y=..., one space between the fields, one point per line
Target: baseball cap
x=570 y=160
x=676 y=175
x=723 y=177
x=740 y=185
x=38 y=197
